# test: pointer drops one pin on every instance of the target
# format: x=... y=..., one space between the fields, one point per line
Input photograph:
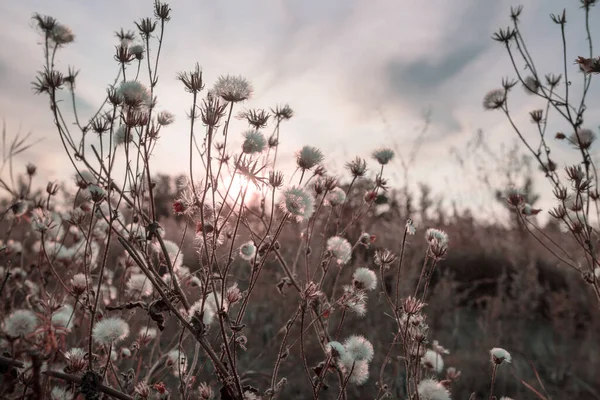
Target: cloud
x=356 y=73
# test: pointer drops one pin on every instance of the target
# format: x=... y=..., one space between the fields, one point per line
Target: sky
x=359 y=75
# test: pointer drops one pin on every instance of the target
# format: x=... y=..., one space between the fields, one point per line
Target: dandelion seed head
x=233 y=88
x=364 y=279
x=298 y=202
x=358 y=348
x=360 y=372
x=499 y=356
x=134 y=94
x=139 y=285
x=340 y=249
x=20 y=323
x=110 y=330
x=432 y=361
x=430 y=389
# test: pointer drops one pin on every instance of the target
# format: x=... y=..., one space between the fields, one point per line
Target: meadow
x=239 y=281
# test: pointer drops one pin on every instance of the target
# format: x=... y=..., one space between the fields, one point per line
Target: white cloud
x=330 y=60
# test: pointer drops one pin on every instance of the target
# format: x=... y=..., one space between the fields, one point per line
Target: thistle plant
x=106 y=298
x=576 y=188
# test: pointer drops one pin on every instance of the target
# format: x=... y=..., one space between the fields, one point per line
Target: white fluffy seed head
x=335 y=197
x=139 y=285
x=20 y=323
x=364 y=279
x=360 y=373
x=79 y=283
x=110 y=331
x=335 y=349
x=60 y=393
x=177 y=361
x=248 y=251
x=358 y=348
x=430 y=389
x=433 y=361
x=500 y=356
x=340 y=248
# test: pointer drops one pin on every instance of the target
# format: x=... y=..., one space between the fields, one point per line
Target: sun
x=239 y=185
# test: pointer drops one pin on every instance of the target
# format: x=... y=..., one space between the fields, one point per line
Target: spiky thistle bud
x=308 y=157
x=146 y=26
x=357 y=167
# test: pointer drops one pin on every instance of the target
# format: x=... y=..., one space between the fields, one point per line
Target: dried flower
x=335 y=349
x=284 y=112
x=76 y=359
x=582 y=139
x=60 y=393
x=494 y=99
x=364 y=279
x=335 y=197
x=177 y=360
x=110 y=331
x=384 y=258
x=256 y=118
x=20 y=323
x=298 y=202
x=233 y=294
x=531 y=85
x=430 y=389
x=79 y=284
x=536 y=116
x=500 y=356
x=308 y=157
x=383 y=156
x=410 y=227
x=61 y=35
x=233 y=88
x=412 y=305
x=357 y=349
x=254 y=142
x=165 y=118
x=192 y=80
x=134 y=94
x=357 y=167
x=340 y=249
x=433 y=361
x=247 y=251
x=206 y=393
x=139 y=285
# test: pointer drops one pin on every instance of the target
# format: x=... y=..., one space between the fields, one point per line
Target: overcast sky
x=358 y=74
